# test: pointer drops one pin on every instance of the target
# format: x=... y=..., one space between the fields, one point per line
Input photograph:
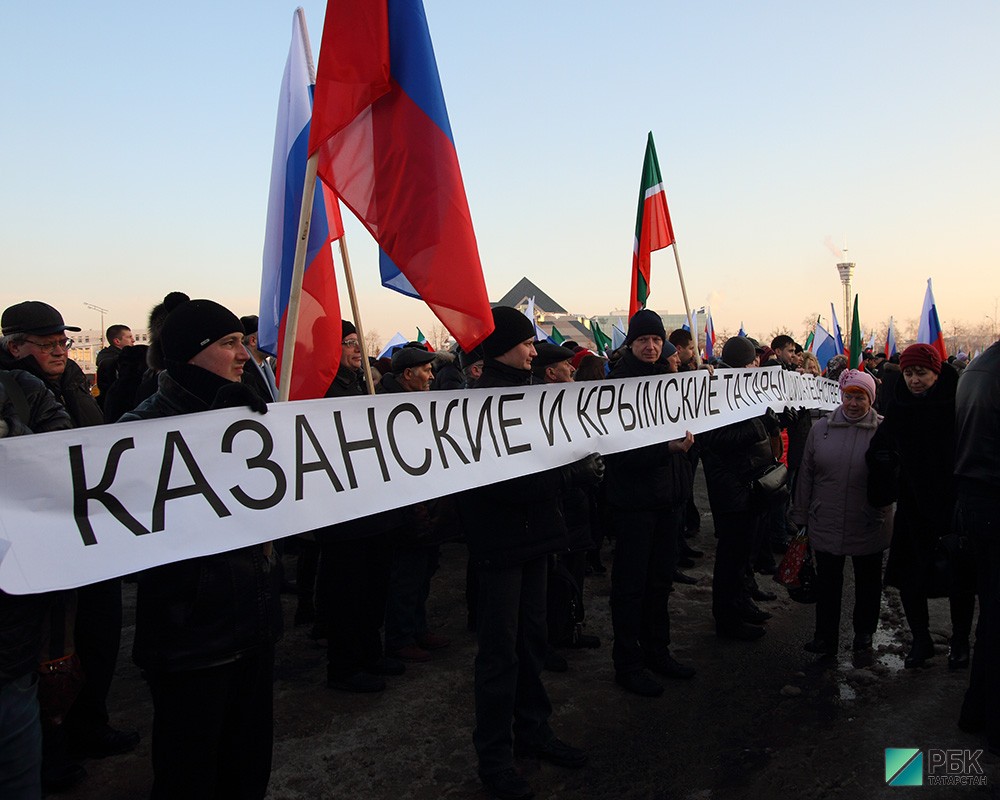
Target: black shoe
x=921 y=650
x=821 y=647
x=103 y=742
x=958 y=655
x=767 y=568
x=748 y=612
x=507 y=784
x=680 y=577
x=685 y=563
x=758 y=594
x=862 y=641
x=62 y=776
x=555 y=662
x=386 y=666
x=359 y=683
x=688 y=551
x=740 y=631
x=639 y=682
x=669 y=667
x=555 y=752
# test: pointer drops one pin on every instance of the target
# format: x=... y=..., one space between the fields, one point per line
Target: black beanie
x=645 y=323
x=251 y=323
x=193 y=326
x=347 y=328
x=738 y=351
x=511 y=328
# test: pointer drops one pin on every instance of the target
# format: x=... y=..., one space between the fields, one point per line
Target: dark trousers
x=213 y=730
x=645 y=558
x=352 y=588
x=962 y=604
x=20 y=740
x=736 y=533
x=409 y=588
x=98 y=634
x=512 y=645
x=830 y=589
x=980 y=519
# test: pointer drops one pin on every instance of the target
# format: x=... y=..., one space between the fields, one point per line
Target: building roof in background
x=523 y=291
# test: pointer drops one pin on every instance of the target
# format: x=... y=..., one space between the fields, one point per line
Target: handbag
x=790 y=568
x=59 y=684
x=770 y=485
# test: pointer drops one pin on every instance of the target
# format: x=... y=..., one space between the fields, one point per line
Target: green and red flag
x=854 y=356
x=421 y=339
x=653 y=230
x=809 y=339
x=601 y=339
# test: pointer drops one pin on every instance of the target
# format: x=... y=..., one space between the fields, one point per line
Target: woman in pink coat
x=831 y=501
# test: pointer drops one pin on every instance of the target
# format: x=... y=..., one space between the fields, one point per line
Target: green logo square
x=904 y=766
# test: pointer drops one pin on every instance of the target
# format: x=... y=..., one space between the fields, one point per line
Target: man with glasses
x=34 y=339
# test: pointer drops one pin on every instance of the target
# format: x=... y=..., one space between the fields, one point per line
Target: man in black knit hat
x=511 y=527
x=206 y=627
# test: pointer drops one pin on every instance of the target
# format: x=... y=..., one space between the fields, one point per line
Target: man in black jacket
x=34 y=339
x=648 y=491
x=732 y=455
x=206 y=627
x=511 y=527
x=977 y=479
x=26 y=407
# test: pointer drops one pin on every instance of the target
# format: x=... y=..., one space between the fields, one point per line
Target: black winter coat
x=918 y=433
x=71 y=388
x=517 y=520
x=204 y=611
x=732 y=456
x=22 y=617
x=648 y=477
x=977 y=427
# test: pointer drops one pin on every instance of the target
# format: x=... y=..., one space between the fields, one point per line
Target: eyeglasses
x=351 y=343
x=48 y=347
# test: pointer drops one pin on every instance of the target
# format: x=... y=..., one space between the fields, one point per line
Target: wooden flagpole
x=687 y=306
x=299 y=262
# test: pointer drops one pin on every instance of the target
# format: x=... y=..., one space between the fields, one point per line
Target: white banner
x=93 y=503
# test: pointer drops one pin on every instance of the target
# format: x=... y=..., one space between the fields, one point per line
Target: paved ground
x=762 y=720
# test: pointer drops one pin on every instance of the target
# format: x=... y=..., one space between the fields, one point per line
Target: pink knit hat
x=855 y=378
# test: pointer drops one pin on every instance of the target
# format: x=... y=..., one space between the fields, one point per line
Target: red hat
x=581 y=354
x=921 y=355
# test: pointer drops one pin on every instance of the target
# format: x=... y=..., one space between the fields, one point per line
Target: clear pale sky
x=136 y=145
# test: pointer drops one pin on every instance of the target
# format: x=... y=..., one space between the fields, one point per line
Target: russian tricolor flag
x=709 y=336
x=890 y=340
x=317 y=346
x=929 y=329
x=824 y=346
x=838 y=337
x=385 y=146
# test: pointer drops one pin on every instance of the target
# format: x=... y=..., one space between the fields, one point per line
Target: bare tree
x=438 y=336
x=373 y=343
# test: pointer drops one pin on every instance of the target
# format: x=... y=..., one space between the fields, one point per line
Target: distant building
x=549 y=313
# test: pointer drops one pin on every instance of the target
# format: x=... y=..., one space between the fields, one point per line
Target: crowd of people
x=908 y=463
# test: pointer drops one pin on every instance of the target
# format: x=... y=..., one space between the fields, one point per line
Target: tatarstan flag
x=854 y=359
x=653 y=230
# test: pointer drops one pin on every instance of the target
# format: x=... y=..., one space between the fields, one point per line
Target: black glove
x=236 y=394
x=789 y=417
x=771 y=423
x=587 y=471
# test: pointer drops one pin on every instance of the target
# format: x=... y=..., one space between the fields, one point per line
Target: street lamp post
x=846 y=270
x=102 y=311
